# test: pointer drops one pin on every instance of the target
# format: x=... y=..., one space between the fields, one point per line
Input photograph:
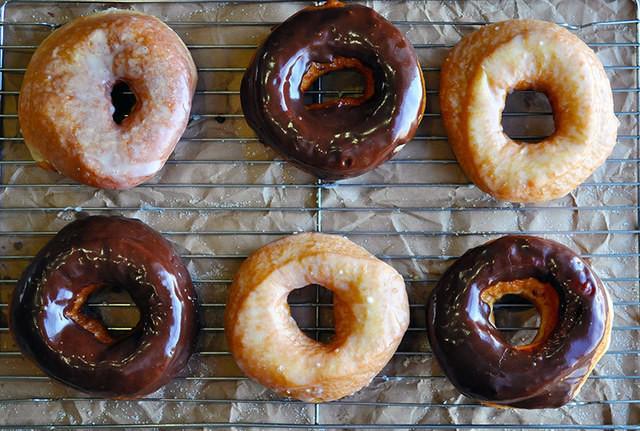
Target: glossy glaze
x=339 y=140
x=66 y=110
x=474 y=355
x=477 y=77
x=49 y=324
x=371 y=315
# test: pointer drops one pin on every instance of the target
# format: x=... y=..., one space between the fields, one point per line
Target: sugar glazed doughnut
x=478 y=75
x=371 y=314
x=65 y=106
x=575 y=311
x=344 y=137
x=53 y=327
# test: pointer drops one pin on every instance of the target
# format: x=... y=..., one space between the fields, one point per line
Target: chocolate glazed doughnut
x=345 y=137
x=575 y=313
x=50 y=325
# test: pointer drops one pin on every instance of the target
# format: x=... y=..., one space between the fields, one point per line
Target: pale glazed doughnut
x=65 y=107
x=371 y=314
x=526 y=54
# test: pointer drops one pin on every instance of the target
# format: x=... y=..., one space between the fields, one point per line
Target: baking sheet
x=223 y=194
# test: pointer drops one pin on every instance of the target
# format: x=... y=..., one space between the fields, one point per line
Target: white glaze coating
x=371 y=313
x=521 y=54
x=65 y=103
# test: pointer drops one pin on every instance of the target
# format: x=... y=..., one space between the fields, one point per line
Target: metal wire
x=323 y=211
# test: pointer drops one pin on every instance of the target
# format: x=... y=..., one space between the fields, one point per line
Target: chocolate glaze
x=46 y=314
x=338 y=140
x=473 y=353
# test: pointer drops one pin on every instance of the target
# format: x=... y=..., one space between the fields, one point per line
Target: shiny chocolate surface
x=52 y=328
x=473 y=353
x=336 y=140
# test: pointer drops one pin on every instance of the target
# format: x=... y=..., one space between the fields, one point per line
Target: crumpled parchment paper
x=221 y=196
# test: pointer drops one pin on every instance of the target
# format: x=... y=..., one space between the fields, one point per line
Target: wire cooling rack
x=222 y=195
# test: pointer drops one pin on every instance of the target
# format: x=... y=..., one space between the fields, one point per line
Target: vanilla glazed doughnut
x=371 y=313
x=478 y=75
x=65 y=107
x=576 y=317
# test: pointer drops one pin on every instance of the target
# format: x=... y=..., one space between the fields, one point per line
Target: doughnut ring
x=345 y=137
x=52 y=325
x=371 y=313
x=65 y=108
x=478 y=75
x=575 y=311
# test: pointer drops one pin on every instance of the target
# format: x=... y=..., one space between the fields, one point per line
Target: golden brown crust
x=543 y=296
x=518 y=54
x=65 y=105
x=88 y=323
x=371 y=314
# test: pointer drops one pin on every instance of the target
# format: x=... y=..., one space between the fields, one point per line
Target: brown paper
x=222 y=195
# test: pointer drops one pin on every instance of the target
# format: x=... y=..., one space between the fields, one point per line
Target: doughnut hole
x=114 y=309
x=335 y=85
x=528 y=116
x=517 y=319
x=302 y=303
x=524 y=311
x=345 y=81
x=123 y=100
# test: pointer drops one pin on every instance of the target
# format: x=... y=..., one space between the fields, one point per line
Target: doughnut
x=65 y=105
x=52 y=325
x=371 y=314
x=475 y=80
x=575 y=311
x=345 y=137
